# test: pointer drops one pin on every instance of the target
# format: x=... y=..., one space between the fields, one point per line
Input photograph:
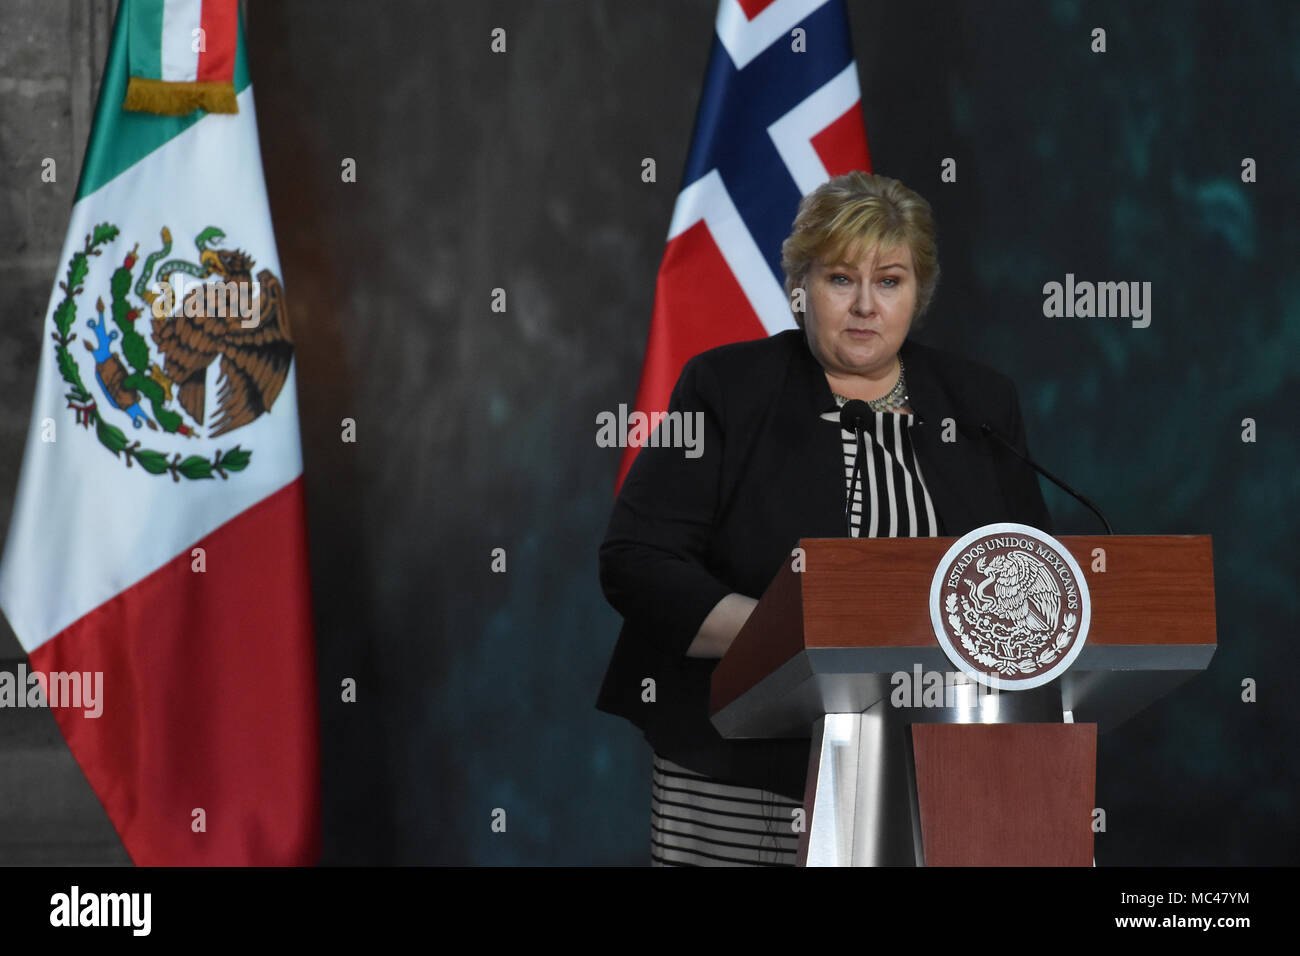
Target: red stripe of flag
x=699 y=305
x=842 y=146
x=219 y=22
x=209 y=699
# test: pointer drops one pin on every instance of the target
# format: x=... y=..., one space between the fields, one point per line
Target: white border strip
x=180 y=63
x=744 y=39
x=792 y=134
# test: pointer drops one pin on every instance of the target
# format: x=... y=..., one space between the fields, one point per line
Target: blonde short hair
x=845 y=216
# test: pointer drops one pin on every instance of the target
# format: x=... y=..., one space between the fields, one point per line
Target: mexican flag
x=156 y=559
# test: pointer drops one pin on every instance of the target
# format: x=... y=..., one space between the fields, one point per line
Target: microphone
x=992 y=433
x=854 y=416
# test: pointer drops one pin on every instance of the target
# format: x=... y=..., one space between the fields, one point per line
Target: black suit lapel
x=953 y=471
x=816 y=456
x=810 y=467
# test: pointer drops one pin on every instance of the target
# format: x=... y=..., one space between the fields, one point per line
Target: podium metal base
x=860 y=803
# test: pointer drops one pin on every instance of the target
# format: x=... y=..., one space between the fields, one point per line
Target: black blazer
x=685 y=532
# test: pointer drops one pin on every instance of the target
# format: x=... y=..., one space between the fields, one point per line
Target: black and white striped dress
x=891 y=479
x=698 y=821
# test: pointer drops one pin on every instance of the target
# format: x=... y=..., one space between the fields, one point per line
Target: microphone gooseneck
x=992 y=433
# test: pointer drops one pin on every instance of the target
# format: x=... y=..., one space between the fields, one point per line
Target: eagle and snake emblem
x=152 y=353
x=1012 y=613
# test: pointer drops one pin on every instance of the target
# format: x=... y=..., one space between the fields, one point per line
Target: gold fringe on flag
x=176 y=99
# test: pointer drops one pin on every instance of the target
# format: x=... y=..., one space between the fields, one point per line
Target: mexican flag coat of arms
x=157 y=543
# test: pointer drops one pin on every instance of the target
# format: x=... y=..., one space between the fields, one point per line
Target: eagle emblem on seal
x=1010 y=602
x=1024 y=594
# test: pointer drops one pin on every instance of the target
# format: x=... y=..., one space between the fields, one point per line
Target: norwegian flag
x=778 y=117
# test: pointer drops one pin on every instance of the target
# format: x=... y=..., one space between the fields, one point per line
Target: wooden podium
x=980 y=779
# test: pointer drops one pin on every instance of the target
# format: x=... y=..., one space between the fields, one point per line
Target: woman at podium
x=694 y=539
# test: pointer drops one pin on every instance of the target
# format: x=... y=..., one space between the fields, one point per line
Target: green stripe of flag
x=120 y=139
x=146 y=24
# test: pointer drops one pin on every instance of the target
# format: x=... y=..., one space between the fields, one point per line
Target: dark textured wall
x=51 y=58
x=476 y=429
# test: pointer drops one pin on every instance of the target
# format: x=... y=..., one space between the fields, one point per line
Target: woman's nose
x=863 y=304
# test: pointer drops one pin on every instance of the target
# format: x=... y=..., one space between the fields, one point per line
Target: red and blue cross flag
x=779 y=115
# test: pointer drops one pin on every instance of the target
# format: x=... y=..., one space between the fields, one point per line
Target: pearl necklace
x=896 y=398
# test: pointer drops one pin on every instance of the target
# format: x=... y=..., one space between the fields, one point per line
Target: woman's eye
x=839 y=278
x=891 y=280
